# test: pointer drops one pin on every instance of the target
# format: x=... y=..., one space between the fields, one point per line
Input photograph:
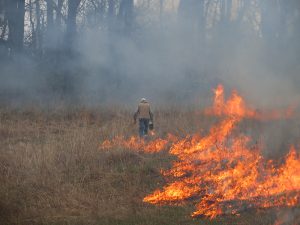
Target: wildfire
x=222 y=172
x=235 y=106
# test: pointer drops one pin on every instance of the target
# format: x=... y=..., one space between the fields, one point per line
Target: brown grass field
x=53 y=171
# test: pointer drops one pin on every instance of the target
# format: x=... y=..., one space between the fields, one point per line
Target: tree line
x=41 y=24
x=38 y=24
x=49 y=30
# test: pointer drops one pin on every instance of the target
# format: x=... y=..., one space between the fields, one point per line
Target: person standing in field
x=144 y=115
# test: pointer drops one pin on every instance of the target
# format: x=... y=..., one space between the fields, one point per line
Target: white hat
x=143 y=99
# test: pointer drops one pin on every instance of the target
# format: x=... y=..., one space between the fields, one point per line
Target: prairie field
x=73 y=73
x=53 y=170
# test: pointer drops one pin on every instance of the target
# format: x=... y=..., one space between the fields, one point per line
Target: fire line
x=222 y=172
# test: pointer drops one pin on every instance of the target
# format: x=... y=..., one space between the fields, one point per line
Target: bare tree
x=15 y=11
x=3 y=20
x=126 y=15
x=59 y=13
x=39 y=36
x=71 y=23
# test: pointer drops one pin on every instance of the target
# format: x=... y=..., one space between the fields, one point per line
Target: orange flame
x=223 y=173
x=137 y=144
x=235 y=106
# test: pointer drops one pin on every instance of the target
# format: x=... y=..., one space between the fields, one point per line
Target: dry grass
x=53 y=172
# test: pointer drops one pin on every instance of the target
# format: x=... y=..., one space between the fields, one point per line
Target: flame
x=138 y=144
x=223 y=173
x=235 y=106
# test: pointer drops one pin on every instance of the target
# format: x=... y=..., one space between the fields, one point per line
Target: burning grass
x=53 y=170
x=224 y=173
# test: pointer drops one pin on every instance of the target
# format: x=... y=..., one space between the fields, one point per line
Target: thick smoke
x=170 y=56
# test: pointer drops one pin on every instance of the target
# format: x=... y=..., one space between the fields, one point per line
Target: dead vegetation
x=53 y=171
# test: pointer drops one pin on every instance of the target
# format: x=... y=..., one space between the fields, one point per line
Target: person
x=144 y=115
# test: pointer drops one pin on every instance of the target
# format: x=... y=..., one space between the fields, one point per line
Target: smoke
x=166 y=58
x=152 y=66
x=266 y=84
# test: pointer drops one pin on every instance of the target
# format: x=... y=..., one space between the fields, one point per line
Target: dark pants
x=143 y=127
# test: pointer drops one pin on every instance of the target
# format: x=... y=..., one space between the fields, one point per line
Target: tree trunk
x=15 y=16
x=3 y=20
x=1 y=11
x=58 y=25
x=191 y=13
x=32 y=24
x=39 y=38
x=49 y=13
x=126 y=16
x=59 y=13
x=111 y=15
x=50 y=32
x=71 y=23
